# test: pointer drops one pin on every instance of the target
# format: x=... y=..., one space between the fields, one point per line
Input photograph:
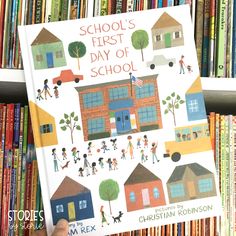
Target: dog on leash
x=117 y=218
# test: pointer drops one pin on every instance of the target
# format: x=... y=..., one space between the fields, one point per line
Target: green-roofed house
x=71 y=201
x=47 y=51
x=190 y=181
x=143 y=189
x=167 y=32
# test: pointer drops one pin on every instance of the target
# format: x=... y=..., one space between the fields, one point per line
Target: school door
x=49 y=57
x=167 y=40
x=123 y=124
x=145 y=196
x=71 y=211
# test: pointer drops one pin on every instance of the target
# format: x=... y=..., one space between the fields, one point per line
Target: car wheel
x=152 y=66
x=59 y=82
x=77 y=80
x=175 y=156
x=171 y=64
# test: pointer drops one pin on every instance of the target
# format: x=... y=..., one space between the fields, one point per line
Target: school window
x=158 y=37
x=47 y=128
x=96 y=125
x=92 y=99
x=147 y=114
x=177 y=190
x=59 y=208
x=193 y=105
x=177 y=34
x=118 y=93
x=59 y=54
x=132 y=197
x=39 y=57
x=82 y=204
x=156 y=193
x=147 y=90
x=205 y=185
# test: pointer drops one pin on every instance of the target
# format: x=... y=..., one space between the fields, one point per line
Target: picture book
x=119 y=121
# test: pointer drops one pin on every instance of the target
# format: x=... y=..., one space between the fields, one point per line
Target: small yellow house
x=44 y=126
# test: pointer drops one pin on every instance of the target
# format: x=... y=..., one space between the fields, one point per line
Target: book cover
x=119 y=121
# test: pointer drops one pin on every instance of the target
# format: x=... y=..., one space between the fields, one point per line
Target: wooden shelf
x=219 y=93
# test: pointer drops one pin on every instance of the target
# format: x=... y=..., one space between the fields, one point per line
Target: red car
x=67 y=76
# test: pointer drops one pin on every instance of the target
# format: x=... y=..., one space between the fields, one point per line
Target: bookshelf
x=13 y=89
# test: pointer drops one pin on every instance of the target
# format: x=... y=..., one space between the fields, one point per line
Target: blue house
x=71 y=201
x=195 y=102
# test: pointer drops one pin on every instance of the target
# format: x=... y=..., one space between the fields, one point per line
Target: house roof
x=45 y=37
x=68 y=188
x=117 y=82
x=141 y=175
x=196 y=86
x=179 y=171
x=165 y=21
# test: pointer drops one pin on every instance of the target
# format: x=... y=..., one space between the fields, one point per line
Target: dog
x=117 y=218
x=66 y=165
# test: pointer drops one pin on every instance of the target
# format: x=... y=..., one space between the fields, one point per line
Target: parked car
x=160 y=60
x=67 y=76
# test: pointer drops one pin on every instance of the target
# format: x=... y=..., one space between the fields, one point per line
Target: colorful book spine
x=55 y=10
x=64 y=10
x=2 y=16
x=7 y=169
x=15 y=158
x=2 y=148
x=38 y=11
x=118 y=6
x=74 y=9
x=48 y=11
x=234 y=42
x=104 y=8
x=234 y=174
x=221 y=39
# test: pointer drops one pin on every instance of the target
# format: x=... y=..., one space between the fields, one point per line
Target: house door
x=167 y=40
x=123 y=124
x=71 y=211
x=145 y=196
x=49 y=57
x=191 y=189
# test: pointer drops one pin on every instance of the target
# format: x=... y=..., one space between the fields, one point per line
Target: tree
x=77 y=50
x=140 y=40
x=70 y=122
x=172 y=102
x=109 y=191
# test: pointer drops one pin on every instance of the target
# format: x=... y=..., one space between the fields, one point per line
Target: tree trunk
x=71 y=135
x=142 y=54
x=110 y=207
x=78 y=64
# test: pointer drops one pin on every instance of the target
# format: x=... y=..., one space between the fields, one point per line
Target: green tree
x=140 y=40
x=109 y=191
x=172 y=102
x=77 y=50
x=70 y=122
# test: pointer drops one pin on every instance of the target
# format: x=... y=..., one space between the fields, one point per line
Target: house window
x=147 y=114
x=39 y=57
x=59 y=54
x=177 y=190
x=158 y=37
x=132 y=197
x=82 y=204
x=177 y=34
x=205 y=185
x=47 y=128
x=156 y=193
x=146 y=91
x=93 y=99
x=118 y=93
x=59 y=208
x=96 y=125
x=193 y=105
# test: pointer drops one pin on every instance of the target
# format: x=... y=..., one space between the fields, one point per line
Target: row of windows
x=96 y=98
x=175 y=35
x=155 y=192
x=145 y=115
x=82 y=205
x=58 y=54
x=204 y=186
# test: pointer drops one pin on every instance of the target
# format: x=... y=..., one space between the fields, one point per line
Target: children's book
x=119 y=121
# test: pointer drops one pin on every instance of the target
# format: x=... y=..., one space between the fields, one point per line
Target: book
x=138 y=110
